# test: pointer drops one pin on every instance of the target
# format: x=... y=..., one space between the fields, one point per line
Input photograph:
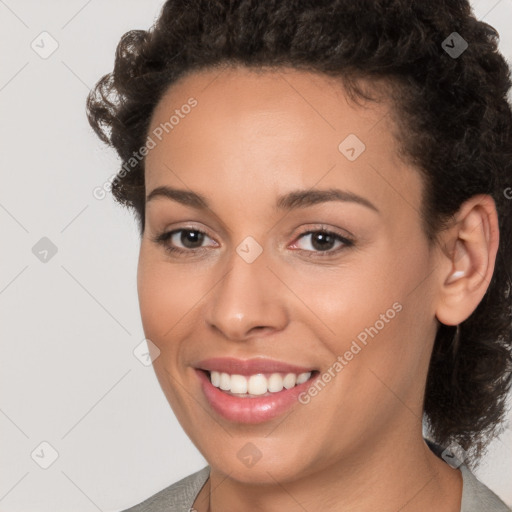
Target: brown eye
x=323 y=242
x=182 y=240
x=191 y=239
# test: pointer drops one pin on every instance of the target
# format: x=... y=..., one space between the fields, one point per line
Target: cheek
x=366 y=313
x=384 y=334
x=166 y=294
x=165 y=297
x=347 y=299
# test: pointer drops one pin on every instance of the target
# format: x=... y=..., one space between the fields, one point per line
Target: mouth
x=252 y=391
x=258 y=384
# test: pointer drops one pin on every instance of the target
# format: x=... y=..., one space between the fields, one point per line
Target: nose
x=249 y=300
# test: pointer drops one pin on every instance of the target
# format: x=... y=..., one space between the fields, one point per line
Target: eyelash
x=163 y=239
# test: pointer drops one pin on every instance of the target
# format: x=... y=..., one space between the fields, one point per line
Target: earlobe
x=471 y=261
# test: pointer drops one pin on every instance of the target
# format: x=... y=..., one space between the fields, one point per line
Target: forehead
x=274 y=127
x=238 y=94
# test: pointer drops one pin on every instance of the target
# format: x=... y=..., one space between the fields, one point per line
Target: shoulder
x=477 y=497
x=180 y=496
x=177 y=497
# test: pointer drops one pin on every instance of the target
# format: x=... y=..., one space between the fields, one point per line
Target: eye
x=322 y=242
x=190 y=239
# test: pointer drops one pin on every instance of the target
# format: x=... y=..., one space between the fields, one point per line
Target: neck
x=403 y=473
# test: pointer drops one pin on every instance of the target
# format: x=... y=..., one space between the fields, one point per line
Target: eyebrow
x=290 y=201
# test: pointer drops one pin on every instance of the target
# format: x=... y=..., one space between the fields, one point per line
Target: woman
x=321 y=191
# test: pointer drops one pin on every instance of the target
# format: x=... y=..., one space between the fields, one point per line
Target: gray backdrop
x=84 y=425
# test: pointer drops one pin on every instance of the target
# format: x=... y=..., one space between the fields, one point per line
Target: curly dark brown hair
x=453 y=120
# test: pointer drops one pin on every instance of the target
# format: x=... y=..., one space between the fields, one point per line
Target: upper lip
x=253 y=366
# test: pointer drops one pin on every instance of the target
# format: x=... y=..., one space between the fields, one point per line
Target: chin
x=249 y=467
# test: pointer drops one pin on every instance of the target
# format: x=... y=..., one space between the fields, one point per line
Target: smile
x=252 y=391
x=257 y=384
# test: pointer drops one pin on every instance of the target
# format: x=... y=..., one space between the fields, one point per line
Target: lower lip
x=250 y=410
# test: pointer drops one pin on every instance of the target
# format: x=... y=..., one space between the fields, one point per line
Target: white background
x=69 y=326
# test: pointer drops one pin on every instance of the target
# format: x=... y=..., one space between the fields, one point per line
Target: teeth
x=289 y=381
x=225 y=382
x=238 y=384
x=215 y=378
x=275 y=383
x=257 y=384
x=303 y=377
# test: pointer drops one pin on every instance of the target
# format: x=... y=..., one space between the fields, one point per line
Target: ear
x=467 y=260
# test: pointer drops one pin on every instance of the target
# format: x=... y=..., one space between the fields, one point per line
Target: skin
x=252 y=137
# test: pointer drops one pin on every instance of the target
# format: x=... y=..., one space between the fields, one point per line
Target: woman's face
x=250 y=283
